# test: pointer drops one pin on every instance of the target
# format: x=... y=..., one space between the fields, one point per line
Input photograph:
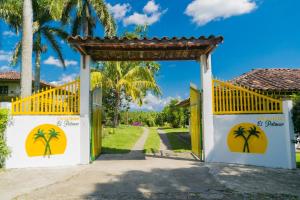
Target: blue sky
x=257 y=34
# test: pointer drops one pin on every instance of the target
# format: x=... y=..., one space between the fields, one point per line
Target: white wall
x=20 y=126
x=278 y=153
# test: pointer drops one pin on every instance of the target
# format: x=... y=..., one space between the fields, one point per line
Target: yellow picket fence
x=233 y=99
x=61 y=100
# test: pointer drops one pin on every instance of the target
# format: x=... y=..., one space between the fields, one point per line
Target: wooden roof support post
x=207 y=106
x=85 y=115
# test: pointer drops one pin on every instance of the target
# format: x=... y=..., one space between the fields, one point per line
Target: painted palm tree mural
x=246 y=135
x=47 y=139
x=247 y=138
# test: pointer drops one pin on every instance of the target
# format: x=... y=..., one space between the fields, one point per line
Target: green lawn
x=152 y=143
x=178 y=144
x=298 y=159
x=120 y=140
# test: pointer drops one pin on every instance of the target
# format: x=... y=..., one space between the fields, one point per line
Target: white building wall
x=279 y=136
x=20 y=126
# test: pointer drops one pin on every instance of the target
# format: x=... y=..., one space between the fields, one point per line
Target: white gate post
x=207 y=107
x=290 y=135
x=85 y=109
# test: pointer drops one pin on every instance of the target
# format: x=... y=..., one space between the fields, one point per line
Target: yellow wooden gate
x=96 y=122
x=195 y=121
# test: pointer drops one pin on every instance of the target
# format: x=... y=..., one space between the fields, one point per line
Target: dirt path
x=139 y=145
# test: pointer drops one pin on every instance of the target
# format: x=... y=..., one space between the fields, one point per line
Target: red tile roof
x=274 y=79
x=15 y=76
x=145 y=49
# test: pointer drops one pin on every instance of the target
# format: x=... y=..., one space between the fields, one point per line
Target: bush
x=171 y=116
x=4 y=150
x=296 y=113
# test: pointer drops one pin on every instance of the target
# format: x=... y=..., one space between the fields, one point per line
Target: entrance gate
x=195 y=121
x=96 y=123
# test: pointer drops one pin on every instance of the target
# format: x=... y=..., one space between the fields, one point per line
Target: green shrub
x=4 y=150
x=296 y=113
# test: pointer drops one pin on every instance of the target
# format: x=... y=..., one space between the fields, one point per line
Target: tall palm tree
x=240 y=132
x=27 y=42
x=84 y=21
x=42 y=32
x=125 y=79
x=252 y=132
x=10 y=11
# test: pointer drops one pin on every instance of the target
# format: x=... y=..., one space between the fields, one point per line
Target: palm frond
x=57 y=49
x=65 y=18
x=16 y=57
x=104 y=16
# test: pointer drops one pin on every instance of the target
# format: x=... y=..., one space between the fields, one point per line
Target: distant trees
x=171 y=116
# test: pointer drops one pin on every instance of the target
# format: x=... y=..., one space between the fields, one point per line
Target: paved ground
x=136 y=176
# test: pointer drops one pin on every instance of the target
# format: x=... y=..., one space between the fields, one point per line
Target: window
x=3 y=89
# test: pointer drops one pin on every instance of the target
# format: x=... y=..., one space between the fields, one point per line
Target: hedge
x=4 y=150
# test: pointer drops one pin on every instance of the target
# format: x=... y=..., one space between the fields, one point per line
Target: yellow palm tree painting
x=247 y=138
x=46 y=140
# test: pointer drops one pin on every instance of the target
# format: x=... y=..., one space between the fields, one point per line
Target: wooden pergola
x=145 y=49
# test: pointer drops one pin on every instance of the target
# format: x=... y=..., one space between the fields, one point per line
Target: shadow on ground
x=131 y=155
x=179 y=141
x=166 y=184
x=107 y=150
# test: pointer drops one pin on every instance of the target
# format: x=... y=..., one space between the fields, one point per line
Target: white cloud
x=151 y=7
x=150 y=15
x=152 y=103
x=119 y=10
x=5 y=55
x=8 y=33
x=4 y=68
x=65 y=78
x=142 y=19
x=205 y=11
x=54 y=61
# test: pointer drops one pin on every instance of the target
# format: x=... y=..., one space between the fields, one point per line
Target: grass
x=177 y=143
x=298 y=159
x=152 y=143
x=120 y=140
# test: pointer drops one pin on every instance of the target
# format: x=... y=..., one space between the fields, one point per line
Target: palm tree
x=52 y=134
x=27 y=42
x=85 y=21
x=129 y=80
x=42 y=32
x=41 y=135
x=252 y=132
x=240 y=132
x=46 y=140
x=10 y=11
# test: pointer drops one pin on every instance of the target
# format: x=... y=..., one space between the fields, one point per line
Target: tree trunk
x=37 y=71
x=85 y=24
x=27 y=37
x=116 y=112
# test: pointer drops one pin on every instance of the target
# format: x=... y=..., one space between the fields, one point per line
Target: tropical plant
x=46 y=140
x=240 y=132
x=126 y=79
x=4 y=150
x=42 y=32
x=174 y=115
x=85 y=20
x=18 y=14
